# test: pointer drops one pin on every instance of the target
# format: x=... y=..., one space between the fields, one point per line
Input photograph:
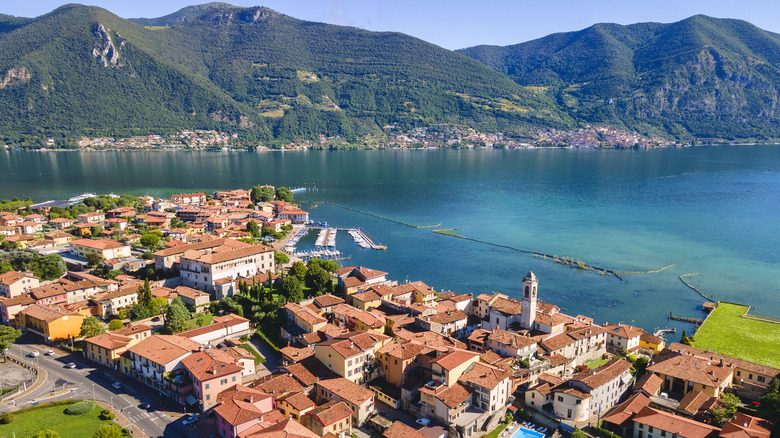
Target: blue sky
x=455 y=24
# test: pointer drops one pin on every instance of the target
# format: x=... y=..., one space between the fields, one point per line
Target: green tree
x=145 y=294
x=150 y=240
x=726 y=410
x=770 y=407
x=299 y=270
x=97 y=230
x=281 y=258
x=137 y=311
x=284 y=194
x=93 y=259
x=641 y=365
x=8 y=336
x=685 y=340
x=91 y=327
x=578 y=434
x=253 y=229
x=109 y=431
x=317 y=278
x=176 y=317
x=260 y=194
x=115 y=324
x=49 y=267
x=292 y=289
x=46 y=433
x=158 y=306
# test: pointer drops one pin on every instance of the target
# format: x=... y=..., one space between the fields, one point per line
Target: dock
x=363 y=240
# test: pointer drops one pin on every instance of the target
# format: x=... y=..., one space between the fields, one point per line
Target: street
x=86 y=382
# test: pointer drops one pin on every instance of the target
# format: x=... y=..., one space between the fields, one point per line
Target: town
x=199 y=308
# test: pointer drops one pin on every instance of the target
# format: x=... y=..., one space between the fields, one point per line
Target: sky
x=455 y=24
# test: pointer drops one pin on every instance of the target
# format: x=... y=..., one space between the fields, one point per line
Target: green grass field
x=727 y=332
x=28 y=423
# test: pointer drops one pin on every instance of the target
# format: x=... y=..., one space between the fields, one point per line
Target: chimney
x=251 y=398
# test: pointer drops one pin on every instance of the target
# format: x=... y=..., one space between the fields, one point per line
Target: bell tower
x=528 y=312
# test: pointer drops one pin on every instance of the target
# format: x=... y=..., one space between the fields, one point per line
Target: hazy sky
x=456 y=24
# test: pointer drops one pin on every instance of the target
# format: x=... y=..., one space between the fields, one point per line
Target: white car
x=49 y=353
x=33 y=353
x=189 y=420
x=70 y=365
x=116 y=385
x=423 y=421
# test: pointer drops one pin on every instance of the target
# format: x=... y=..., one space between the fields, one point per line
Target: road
x=86 y=382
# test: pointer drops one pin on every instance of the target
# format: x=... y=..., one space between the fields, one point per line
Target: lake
x=714 y=211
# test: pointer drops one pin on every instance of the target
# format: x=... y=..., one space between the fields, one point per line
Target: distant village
x=359 y=354
x=436 y=137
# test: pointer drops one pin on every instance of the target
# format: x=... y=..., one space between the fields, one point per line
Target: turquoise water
x=522 y=432
x=712 y=210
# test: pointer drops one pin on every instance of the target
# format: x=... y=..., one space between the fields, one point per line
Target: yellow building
x=651 y=343
x=450 y=366
x=333 y=417
x=105 y=248
x=106 y=349
x=295 y=405
x=53 y=323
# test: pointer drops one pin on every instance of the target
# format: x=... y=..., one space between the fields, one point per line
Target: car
x=116 y=385
x=156 y=319
x=190 y=420
x=423 y=421
x=145 y=405
x=34 y=353
x=70 y=365
x=755 y=404
x=49 y=353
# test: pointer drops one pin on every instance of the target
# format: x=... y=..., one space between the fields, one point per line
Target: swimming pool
x=522 y=432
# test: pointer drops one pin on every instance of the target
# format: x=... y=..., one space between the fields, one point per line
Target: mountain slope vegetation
x=700 y=77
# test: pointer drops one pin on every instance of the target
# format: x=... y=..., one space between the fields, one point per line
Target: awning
x=191 y=400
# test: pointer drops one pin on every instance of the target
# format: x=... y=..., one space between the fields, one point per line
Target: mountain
x=700 y=77
x=82 y=70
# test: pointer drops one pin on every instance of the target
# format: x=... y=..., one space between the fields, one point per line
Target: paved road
x=86 y=382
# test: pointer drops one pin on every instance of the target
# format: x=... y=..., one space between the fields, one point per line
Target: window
x=649 y=429
x=207 y=386
x=663 y=433
x=234 y=378
x=208 y=396
x=560 y=398
x=738 y=373
x=579 y=401
x=750 y=376
x=761 y=378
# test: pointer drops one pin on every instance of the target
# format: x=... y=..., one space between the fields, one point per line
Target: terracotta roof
x=479 y=335
x=48 y=291
x=455 y=358
x=507 y=306
x=400 y=430
x=694 y=402
x=428 y=338
x=236 y=404
x=691 y=368
x=162 y=349
x=327 y=300
x=190 y=293
x=490 y=357
x=232 y=254
x=367 y=296
x=308 y=371
x=285 y=429
x=623 y=331
x=330 y=412
x=556 y=359
x=101 y=244
x=651 y=339
x=484 y=375
x=510 y=339
x=563 y=339
x=22 y=299
x=109 y=341
x=746 y=426
x=680 y=426
x=347 y=390
x=649 y=383
x=404 y=351
x=121 y=292
x=12 y=277
x=47 y=313
x=210 y=364
x=299 y=401
x=454 y=395
x=280 y=384
x=716 y=358
x=212 y=243
x=446 y=317
x=603 y=374
x=217 y=324
x=623 y=415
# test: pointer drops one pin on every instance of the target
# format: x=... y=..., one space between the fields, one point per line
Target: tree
x=8 y=336
x=317 y=278
x=253 y=229
x=260 y=194
x=640 y=365
x=284 y=194
x=299 y=270
x=49 y=267
x=770 y=407
x=685 y=340
x=46 y=433
x=115 y=324
x=176 y=317
x=109 y=431
x=281 y=258
x=93 y=259
x=145 y=294
x=96 y=230
x=150 y=240
x=578 y=434
x=292 y=289
x=726 y=410
x=137 y=311
x=158 y=306
x=91 y=327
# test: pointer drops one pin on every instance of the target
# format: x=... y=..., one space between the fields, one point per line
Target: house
x=367 y=300
x=61 y=223
x=282 y=429
x=621 y=419
x=302 y=317
x=50 y=294
x=189 y=199
x=490 y=386
x=358 y=398
x=296 y=405
x=508 y=344
x=111 y=303
x=325 y=303
x=57 y=238
x=193 y=298
x=683 y=373
x=221 y=328
x=121 y=212
x=649 y=422
x=450 y=322
x=444 y=403
x=450 y=366
x=10 y=307
x=397 y=359
x=352 y=355
x=200 y=269
x=94 y=217
x=622 y=337
x=52 y=323
x=106 y=249
x=400 y=430
x=152 y=359
x=14 y=283
x=651 y=344
x=334 y=417
x=30 y=227
x=353 y=278
x=107 y=348
x=578 y=345
x=295 y=216
x=239 y=408
x=211 y=371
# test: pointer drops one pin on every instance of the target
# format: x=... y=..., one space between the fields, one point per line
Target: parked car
x=145 y=405
x=34 y=353
x=70 y=365
x=189 y=420
x=423 y=421
x=116 y=385
x=49 y=353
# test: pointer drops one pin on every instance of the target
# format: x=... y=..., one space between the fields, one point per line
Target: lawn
x=727 y=332
x=595 y=363
x=29 y=422
x=199 y=320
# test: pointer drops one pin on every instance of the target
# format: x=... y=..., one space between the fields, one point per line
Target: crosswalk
x=157 y=417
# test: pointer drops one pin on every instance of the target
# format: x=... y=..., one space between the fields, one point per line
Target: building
x=107 y=348
x=10 y=307
x=683 y=373
x=490 y=386
x=396 y=360
x=94 y=217
x=106 y=249
x=578 y=345
x=508 y=344
x=200 y=269
x=112 y=302
x=622 y=337
x=155 y=357
x=294 y=216
x=239 y=408
x=211 y=371
x=194 y=299
x=14 y=283
x=358 y=398
x=221 y=328
x=334 y=417
x=296 y=405
x=52 y=323
x=352 y=355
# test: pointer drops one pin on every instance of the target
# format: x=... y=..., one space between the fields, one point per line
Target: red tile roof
x=680 y=426
x=330 y=412
x=347 y=390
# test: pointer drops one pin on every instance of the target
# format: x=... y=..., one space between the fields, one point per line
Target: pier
x=357 y=235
